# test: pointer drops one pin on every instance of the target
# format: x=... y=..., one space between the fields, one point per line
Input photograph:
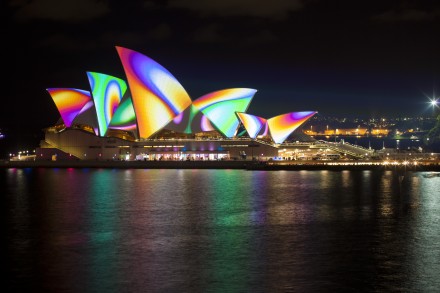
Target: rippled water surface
x=104 y=230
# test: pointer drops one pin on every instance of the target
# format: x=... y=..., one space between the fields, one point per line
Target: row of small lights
x=24 y=153
x=385 y=163
x=398 y=163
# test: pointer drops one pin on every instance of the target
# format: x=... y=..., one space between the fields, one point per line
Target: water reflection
x=103 y=239
x=87 y=230
x=425 y=252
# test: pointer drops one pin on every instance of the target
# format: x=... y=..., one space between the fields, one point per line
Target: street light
x=435 y=104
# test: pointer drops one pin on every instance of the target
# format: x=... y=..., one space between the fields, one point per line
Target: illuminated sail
x=281 y=126
x=124 y=117
x=220 y=107
x=107 y=93
x=69 y=102
x=253 y=124
x=157 y=95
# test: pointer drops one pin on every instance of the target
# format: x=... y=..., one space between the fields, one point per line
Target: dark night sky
x=365 y=58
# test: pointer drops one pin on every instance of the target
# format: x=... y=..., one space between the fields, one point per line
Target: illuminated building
x=152 y=117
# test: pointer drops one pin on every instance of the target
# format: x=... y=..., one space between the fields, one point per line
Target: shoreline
x=244 y=165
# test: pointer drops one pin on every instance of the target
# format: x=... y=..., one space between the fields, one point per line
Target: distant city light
x=434 y=102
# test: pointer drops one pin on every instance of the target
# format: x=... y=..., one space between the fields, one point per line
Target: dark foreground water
x=91 y=230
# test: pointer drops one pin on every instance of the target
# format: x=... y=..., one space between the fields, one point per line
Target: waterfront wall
x=239 y=164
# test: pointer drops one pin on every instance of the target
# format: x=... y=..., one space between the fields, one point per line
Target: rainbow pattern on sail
x=282 y=126
x=253 y=124
x=69 y=102
x=157 y=95
x=215 y=105
x=107 y=93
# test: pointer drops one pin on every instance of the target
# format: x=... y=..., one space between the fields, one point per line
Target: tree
x=433 y=136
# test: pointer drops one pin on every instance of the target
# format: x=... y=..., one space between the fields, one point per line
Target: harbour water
x=184 y=230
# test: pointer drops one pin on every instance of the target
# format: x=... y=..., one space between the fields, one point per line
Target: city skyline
x=338 y=59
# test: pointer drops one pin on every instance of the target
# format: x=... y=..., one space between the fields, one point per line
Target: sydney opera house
x=150 y=116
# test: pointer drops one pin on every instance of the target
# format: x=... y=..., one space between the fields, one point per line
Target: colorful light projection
x=220 y=108
x=107 y=93
x=124 y=117
x=69 y=102
x=264 y=130
x=157 y=95
x=87 y=117
x=281 y=126
x=190 y=121
x=253 y=124
x=159 y=101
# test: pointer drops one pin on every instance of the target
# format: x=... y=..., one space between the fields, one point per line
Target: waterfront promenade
x=428 y=165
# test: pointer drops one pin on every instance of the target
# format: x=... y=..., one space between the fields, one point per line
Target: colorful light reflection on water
x=139 y=230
